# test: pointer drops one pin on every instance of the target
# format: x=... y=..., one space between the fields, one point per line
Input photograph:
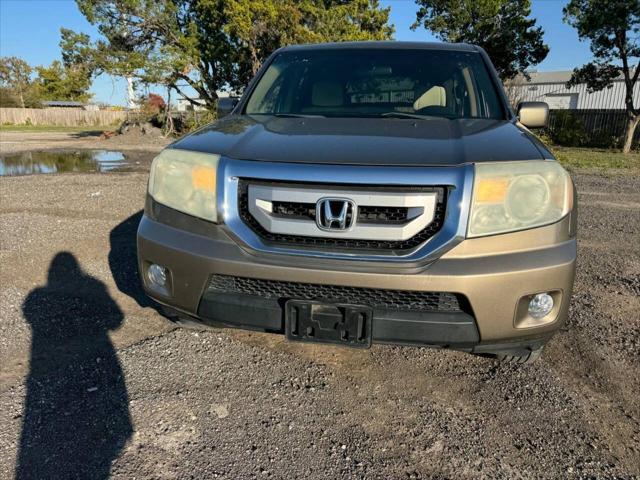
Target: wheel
x=527 y=358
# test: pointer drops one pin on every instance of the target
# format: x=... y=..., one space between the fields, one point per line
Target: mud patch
x=63 y=161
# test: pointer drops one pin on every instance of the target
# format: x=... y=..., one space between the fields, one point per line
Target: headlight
x=518 y=195
x=185 y=181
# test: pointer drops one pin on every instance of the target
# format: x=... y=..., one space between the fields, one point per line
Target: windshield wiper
x=296 y=115
x=409 y=115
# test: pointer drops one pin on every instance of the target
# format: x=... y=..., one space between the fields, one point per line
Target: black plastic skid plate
x=328 y=323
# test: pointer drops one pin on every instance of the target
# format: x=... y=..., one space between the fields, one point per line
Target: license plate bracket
x=342 y=324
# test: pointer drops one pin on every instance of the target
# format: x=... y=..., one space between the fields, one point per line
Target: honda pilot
x=367 y=192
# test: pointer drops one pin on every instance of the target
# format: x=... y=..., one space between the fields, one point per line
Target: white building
x=550 y=87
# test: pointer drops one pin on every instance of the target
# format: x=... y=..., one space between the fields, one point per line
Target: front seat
x=324 y=95
x=436 y=96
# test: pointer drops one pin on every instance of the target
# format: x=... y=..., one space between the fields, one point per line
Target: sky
x=30 y=29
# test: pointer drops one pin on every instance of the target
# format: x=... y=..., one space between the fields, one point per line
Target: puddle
x=29 y=163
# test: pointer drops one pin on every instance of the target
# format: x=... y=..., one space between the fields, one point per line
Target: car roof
x=384 y=45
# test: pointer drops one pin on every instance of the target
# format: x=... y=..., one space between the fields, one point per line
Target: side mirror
x=533 y=114
x=226 y=105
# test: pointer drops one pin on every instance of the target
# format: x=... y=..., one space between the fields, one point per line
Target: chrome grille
x=295 y=210
x=367 y=215
x=388 y=215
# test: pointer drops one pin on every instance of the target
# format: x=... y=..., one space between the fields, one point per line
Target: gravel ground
x=94 y=382
x=20 y=141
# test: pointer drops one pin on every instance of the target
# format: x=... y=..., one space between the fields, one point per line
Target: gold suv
x=367 y=192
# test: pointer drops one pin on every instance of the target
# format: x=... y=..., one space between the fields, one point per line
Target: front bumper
x=494 y=274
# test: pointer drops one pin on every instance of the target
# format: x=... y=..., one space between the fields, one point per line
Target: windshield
x=376 y=83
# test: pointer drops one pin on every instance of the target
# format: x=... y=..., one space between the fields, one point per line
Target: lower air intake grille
x=374 y=297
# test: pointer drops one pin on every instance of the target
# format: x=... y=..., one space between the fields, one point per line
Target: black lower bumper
x=452 y=330
x=388 y=326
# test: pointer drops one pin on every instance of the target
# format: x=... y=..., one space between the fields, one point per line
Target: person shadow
x=76 y=417
x=123 y=261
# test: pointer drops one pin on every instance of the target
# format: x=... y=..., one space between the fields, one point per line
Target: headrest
x=434 y=97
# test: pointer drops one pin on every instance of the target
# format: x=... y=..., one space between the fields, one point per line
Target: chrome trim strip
x=453 y=231
x=261 y=198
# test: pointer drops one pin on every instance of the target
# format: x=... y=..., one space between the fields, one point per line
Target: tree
x=250 y=25
x=208 y=45
x=257 y=28
x=56 y=82
x=77 y=50
x=15 y=77
x=502 y=27
x=354 y=20
x=119 y=59
x=612 y=27
x=8 y=98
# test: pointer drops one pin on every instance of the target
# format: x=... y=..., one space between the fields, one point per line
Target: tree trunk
x=255 y=61
x=632 y=123
x=131 y=95
x=211 y=104
x=169 y=127
x=21 y=96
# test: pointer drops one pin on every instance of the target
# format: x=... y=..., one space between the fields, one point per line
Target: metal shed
x=550 y=87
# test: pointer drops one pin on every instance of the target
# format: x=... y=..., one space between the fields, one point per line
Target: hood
x=365 y=141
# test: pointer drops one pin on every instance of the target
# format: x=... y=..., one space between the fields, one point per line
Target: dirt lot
x=20 y=141
x=94 y=382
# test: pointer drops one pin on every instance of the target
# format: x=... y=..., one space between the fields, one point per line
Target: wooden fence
x=589 y=128
x=65 y=117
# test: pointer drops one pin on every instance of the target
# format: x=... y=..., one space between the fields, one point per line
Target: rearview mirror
x=226 y=105
x=533 y=114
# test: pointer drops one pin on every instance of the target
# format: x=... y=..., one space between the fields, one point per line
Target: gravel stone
x=114 y=389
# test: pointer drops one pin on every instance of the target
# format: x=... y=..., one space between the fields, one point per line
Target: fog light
x=158 y=275
x=540 y=305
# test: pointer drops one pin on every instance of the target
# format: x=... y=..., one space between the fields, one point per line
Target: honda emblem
x=335 y=213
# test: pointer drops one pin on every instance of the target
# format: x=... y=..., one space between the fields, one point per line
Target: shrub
x=568 y=130
x=151 y=106
x=196 y=119
x=156 y=102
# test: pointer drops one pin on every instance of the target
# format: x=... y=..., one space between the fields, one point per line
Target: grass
x=54 y=128
x=598 y=159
